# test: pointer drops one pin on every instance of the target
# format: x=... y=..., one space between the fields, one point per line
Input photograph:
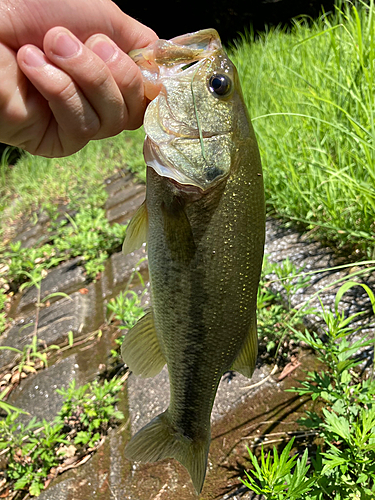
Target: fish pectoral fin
x=140 y=349
x=158 y=440
x=136 y=233
x=246 y=359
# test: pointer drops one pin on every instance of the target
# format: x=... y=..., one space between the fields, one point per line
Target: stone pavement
x=107 y=475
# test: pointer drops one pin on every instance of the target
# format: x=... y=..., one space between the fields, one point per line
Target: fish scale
x=203 y=219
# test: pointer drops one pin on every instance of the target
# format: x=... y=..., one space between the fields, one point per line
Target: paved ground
x=108 y=475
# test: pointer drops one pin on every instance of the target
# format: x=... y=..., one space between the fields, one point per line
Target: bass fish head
x=195 y=123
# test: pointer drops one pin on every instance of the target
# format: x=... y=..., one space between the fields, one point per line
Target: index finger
x=23 y=23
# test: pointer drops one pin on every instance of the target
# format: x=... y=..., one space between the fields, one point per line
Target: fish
x=204 y=223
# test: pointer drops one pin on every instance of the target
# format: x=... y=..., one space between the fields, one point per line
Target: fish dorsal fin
x=246 y=359
x=136 y=233
x=141 y=349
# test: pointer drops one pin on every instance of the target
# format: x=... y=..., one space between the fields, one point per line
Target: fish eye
x=220 y=85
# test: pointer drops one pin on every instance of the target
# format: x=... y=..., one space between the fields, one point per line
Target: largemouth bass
x=204 y=222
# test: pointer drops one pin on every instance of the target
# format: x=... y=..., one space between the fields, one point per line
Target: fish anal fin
x=136 y=232
x=246 y=359
x=158 y=440
x=141 y=349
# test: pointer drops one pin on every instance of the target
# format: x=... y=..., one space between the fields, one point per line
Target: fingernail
x=65 y=46
x=103 y=49
x=34 y=57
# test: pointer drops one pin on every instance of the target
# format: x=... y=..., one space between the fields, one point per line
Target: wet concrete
x=108 y=476
x=149 y=397
x=54 y=323
x=238 y=411
x=66 y=278
x=34 y=234
x=124 y=197
x=309 y=256
x=37 y=395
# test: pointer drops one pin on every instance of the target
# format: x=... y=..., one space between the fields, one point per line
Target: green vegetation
x=87 y=234
x=126 y=308
x=3 y=320
x=71 y=192
x=343 y=465
x=35 y=453
x=310 y=93
x=91 y=407
x=277 y=319
x=274 y=477
x=35 y=182
x=34 y=449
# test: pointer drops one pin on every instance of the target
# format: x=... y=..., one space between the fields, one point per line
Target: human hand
x=65 y=74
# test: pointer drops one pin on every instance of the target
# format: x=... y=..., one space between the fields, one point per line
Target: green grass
x=86 y=416
x=88 y=234
x=310 y=93
x=36 y=182
x=341 y=467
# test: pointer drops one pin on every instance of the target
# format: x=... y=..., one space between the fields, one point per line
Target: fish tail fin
x=158 y=440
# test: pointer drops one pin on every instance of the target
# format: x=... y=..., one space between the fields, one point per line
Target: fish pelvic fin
x=246 y=359
x=136 y=232
x=158 y=440
x=141 y=349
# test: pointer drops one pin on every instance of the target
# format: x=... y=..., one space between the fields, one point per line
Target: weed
x=277 y=324
x=36 y=181
x=126 y=307
x=3 y=300
x=343 y=467
x=27 y=264
x=30 y=354
x=89 y=235
x=6 y=407
x=34 y=449
x=90 y=409
x=290 y=278
x=30 y=460
x=7 y=155
x=274 y=476
x=310 y=92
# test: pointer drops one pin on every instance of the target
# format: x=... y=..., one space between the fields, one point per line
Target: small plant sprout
x=343 y=466
x=274 y=477
x=32 y=450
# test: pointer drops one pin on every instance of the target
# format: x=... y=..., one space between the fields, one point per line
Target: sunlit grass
x=310 y=93
x=36 y=181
